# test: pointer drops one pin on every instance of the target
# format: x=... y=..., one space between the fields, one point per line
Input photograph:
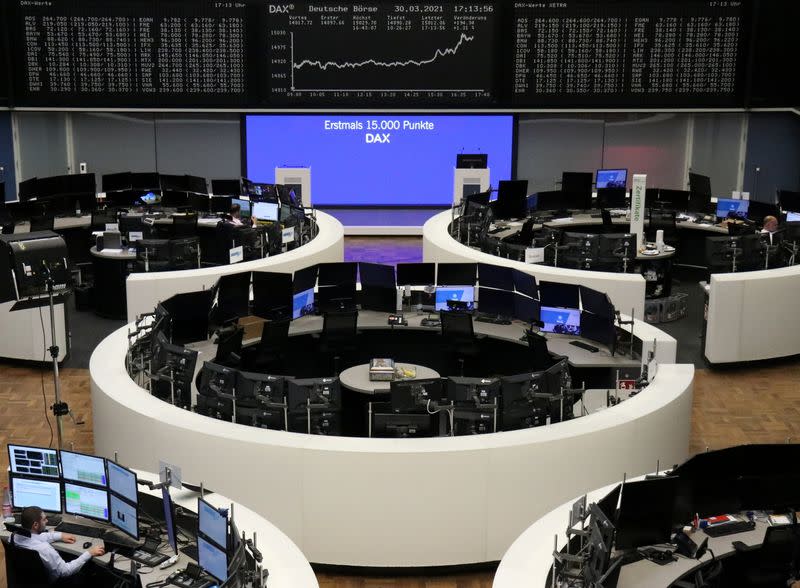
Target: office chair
x=736 y=229
x=525 y=235
x=42 y=223
x=24 y=567
x=608 y=226
x=100 y=218
x=458 y=336
x=269 y=354
x=229 y=347
x=338 y=336
x=184 y=225
x=662 y=220
x=540 y=356
x=772 y=562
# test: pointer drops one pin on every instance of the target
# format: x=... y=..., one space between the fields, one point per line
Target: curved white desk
x=393 y=502
x=625 y=290
x=145 y=290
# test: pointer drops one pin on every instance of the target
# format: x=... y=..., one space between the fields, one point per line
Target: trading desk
x=396 y=502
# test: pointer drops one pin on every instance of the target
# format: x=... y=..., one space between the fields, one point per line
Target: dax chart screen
x=381 y=52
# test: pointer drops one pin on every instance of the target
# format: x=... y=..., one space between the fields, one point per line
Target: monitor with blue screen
x=728 y=207
x=303 y=303
x=792 y=217
x=84 y=469
x=85 y=501
x=611 y=178
x=45 y=494
x=212 y=559
x=464 y=294
x=122 y=482
x=212 y=523
x=124 y=516
x=150 y=198
x=33 y=461
x=564 y=321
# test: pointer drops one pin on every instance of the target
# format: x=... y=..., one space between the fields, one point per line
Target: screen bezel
x=135 y=508
x=135 y=481
x=202 y=501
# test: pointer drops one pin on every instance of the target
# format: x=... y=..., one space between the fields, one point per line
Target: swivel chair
x=24 y=567
x=229 y=347
x=663 y=220
x=184 y=225
x=458 y=337
x=339 y=336
x=772 y=562
x=268 y=355
x=42 y=223
x=540 y=356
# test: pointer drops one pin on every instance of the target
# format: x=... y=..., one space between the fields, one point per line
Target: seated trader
x=34 y=520
x=770 y=227
x=236 y=216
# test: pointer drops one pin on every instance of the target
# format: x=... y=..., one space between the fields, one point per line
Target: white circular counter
x=393 y=502
x=146 y=290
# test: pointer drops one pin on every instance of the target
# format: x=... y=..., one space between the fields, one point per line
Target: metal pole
x=369 y=419
x=54 y=356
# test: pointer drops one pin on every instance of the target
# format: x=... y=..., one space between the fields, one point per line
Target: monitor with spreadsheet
x=84 y=469
x=124 y=516
x=122 y=482
x=46 y=494
x=85 y=501
x=212 y=523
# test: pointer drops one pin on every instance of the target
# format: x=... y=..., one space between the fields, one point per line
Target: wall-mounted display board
x=249 y=54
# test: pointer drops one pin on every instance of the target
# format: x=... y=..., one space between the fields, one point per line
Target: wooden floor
x=755 y=405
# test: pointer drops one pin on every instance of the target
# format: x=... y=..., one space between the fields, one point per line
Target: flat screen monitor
x=512 y=199
x=150 y=198
x=758 y=210
x=272 y=295
x=212 y=523
x=416 y=274
x=46 y=494
x=221 y=204
x=727 y=207
x=645 y=512
x=558 y=294
x=376 y=275
x=124 y=516
x=146 y=181
x=304 y=279
x=596 y=302
x=303 y=303
x=449 y=274
x=250 y=385
x=320 y=391
x=86 y=501
x=169 y=521
x=525 y=284
x=244 y=205
x=212 y=559
x=792 y=217
x=564 y=321
x=577 y=190
x=463 y=294
x=335 y=274
x=495 y=276
x=674 y=199
x=387 y=423
x=598 y=328
x=174 y=183
x=122 y=482
x=415 y=394
x=611 y=178
x=33 y=461
x=699 y=184
x=267 y=211
x=789 y=200
x=84 y=469
x=495 y=302
x=115 y=182
x=197 y=185
x=472 y=160
x=226 y=187
x=526 y=309
x=612 y=198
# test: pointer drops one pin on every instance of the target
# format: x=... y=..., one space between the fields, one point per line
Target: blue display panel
x=456 y=293
x=727 y=206
x=400 y=160
x=566 y=321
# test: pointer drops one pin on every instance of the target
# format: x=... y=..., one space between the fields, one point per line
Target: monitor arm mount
x=158 y=486
x=630 y=322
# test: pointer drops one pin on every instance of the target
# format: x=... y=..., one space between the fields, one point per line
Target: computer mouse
x=87 y=544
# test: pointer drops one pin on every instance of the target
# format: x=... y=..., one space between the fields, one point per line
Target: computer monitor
x=550 y=200
x=244 y=206
x=84 y=469
x=46 y=494
x=727 y=207
x=416 y=274
x=303 y=303
x=175 y=183
x=463 y=295
x=150 y=198
x=699 y=184
x=596 y=302
x=582 y=250
x=216 y=390
x=473 y=391
x=495 y=302
x=221 y=204
x=86 y=501
x=226 y=187
x=334 y=274
x=576 y=188
x=612 y=198
x=788 y=199
x=598 y=328
x=212 y=559
x=272 y=295
x=378 y=287
x=512 y=199
x=212 y=523
x=449 y=274
x=415 y=394
x=124 y=516
x=674 y=199
x=526 y=309
x=558 y=294
x=758 y=210
x=33 y=461
x=315 y=391
x=608 y=504
x=792 y=217
x=524 y=405
x=525 y=283
x=376 y=275
x=495 y=276
x=261 y=387
x=267 y=211
x=611 y=178
x=122 y=482
x=472 y=160
x=564 y=321
x=387 y=423
x=645 y=512
x=169 y=521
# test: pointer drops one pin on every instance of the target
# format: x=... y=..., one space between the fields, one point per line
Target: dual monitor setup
x=102 y=490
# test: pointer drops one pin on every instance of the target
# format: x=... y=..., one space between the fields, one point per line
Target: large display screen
x=376 y=160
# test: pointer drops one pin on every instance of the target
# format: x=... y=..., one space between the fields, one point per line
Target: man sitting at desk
x=60 y=572
x=236 y=216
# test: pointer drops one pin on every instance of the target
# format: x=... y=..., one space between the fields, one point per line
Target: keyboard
x=585 y=346
x=77 y=529
x=189 y=551
x=495 y=320
x=729 y=529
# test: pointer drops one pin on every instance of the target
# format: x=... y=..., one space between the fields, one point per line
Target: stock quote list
x=631 y=53
x=381 y=52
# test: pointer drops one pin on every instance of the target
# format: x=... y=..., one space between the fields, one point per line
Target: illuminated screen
x=611 y=178
x=211 y=523
x=212 y=559
x=34 y=461
x=792 y=217
x=42 y=493
x=265 y=210
x=85 y=501
x=565 y=321
x=86 y=469
x=122 y=482
x=124 y=516
x=459 y=293
x=726 y=206
x=303 y=303
x=376 y=160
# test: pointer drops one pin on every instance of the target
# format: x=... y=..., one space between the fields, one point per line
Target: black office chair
x=772 y=562
x=268 y=356
x=229 y=347
x=339 y=336
x=184 y=225
x=540 y=356
x=459 y=337
x=663 y=220
x=736 y=229
x=608 y=226
x=42 y=223
x=24 y=567
x=525 y=235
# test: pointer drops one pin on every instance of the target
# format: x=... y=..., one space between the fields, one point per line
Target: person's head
x=236 y=210
x=33 y=519
x=770 y=223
